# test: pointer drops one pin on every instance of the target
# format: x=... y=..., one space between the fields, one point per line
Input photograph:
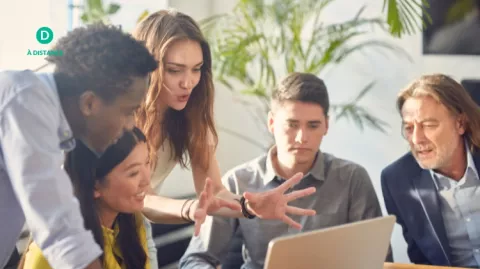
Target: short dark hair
x=101 y=58
x=303 y=87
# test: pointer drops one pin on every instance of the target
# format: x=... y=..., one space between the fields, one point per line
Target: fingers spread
x=290 y=182
x=199 y=216
x=208 y=188
x=291 y=222
x=202 y=200
x=300 y=193
x=300 y=211
x=197 y=228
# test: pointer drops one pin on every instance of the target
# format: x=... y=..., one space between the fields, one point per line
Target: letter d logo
x=44 y=35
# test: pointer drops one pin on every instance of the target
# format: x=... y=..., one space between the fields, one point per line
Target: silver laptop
x=358 y=245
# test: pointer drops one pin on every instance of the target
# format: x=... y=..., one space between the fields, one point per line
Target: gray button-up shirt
x=344 y=194
x=33 y=186
x=460 y=205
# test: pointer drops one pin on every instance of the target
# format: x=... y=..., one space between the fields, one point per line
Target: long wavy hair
x=188 y=130
x=85 y=171
x=453 y=96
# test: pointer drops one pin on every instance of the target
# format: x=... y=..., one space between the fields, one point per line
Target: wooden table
x=388 y=265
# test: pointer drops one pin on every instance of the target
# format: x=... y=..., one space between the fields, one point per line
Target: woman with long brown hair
x=177 y=118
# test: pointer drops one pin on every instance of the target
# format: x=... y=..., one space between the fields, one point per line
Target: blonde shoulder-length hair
x=453 y=96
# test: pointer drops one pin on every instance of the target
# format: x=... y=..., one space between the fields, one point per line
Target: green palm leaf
x=259 y=42
x=406 y=16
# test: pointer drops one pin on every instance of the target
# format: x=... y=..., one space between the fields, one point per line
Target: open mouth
x=424 y=152
x=183 y=98
x=140 y=195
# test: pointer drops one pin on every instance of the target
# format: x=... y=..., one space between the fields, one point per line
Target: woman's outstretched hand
x=208 y=203
x=273 y=204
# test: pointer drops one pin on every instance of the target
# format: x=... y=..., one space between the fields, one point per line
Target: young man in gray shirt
x=298 y=121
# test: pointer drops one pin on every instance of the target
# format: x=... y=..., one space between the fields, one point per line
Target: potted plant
x=259 y=42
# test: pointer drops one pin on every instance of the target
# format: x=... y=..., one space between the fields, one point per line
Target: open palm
x=208 y=203
x=273 y=204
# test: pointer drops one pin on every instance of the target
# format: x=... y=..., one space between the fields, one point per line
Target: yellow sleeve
x=34 y=258
x=142 y=234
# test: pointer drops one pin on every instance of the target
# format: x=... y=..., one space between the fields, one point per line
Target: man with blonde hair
x=434 y=190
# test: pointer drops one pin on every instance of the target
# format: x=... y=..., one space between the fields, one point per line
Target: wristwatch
x=245 y=212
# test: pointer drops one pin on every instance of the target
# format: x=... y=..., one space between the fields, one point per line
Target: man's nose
x=301 y=136
x=418 y=136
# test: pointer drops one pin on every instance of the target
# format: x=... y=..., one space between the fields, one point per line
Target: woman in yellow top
x=111 y=190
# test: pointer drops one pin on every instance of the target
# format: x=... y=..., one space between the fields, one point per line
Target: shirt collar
x=97 y=153
x=470 y=162
x=317 y=170
x=470 y=167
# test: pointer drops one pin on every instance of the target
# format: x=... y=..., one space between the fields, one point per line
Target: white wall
x=130 y=11
x=371 y=149
x=197 y=9
x=18 y=26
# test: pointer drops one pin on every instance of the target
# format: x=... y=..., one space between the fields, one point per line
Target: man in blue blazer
x=434 y=190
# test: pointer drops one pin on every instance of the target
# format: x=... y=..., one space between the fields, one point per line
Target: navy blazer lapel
x=431 y=204
x=476 y=158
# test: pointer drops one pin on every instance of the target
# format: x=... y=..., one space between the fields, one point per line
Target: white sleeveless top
x=164 y=167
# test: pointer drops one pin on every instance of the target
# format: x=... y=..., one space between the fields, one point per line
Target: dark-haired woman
x=111 y=191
